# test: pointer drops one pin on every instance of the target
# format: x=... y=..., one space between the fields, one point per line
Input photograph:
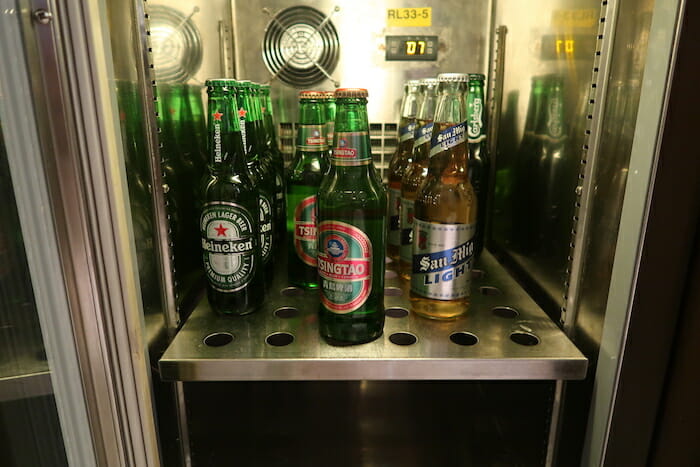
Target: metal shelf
x=24 y=371
x=504 y=336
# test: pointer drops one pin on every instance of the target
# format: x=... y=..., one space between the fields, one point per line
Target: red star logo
x=220 y=230
x=172 y=111
x=264 y=109
x=217 y=115
x=242 y=112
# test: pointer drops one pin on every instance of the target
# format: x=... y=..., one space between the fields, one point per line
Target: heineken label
x=476 y=121
x=305 y=243
x=228 y=245
x=423 y=135
x=352 y=148
x=442 y=259
x=242 y=118
x=216 y=136
x=265 y=226
x=344 y=266
x=407 y=132
x=312 y=138
x=394 y=205
x=406 y=250
x=448 y=138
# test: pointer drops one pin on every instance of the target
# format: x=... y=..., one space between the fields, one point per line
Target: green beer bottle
x=399 y=161
x=416 y=172
x=479 y=162
x=261 y=173
x=229 y=217
x=352 y=205
x=329 y=111
x=445 y=212
x=304 y=177
x=277 y=159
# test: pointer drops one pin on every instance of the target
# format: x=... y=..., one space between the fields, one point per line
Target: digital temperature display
x=411 y=48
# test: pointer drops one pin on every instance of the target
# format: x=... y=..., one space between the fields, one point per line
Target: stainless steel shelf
x=504 y=336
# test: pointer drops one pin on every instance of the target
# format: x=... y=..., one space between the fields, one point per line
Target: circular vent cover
x=176 y=44
x=300 y=46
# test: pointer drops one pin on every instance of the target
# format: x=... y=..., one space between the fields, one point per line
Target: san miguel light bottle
x=261 y=173
x=229 y=218
x=352 y=205
x=399 y=161
x=304 y=177
x=445 y=212
x=416 y=172
x=479 y=162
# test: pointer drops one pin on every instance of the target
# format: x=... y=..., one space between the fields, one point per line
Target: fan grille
x=300 y=46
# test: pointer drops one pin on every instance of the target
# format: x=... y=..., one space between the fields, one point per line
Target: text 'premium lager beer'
x=399 y=161
x=352 y=207
x=445 y=212
x=304 y=177
x=228 y=221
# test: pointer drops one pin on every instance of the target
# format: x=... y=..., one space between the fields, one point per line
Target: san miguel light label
x=305 y=242
x=344 y=265
x=448 y=138
x=228 y=245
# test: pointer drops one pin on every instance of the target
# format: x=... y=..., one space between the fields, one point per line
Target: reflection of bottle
x=399 y=161
x=479 y=162
x=352 y=207
x=303 y=180
x=416 y=172
x=445 y=212
x=502 y=211
x=229 y=217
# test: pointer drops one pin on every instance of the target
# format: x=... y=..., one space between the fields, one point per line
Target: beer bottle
x=399 y=161
x=329 y=110
x=229 y=218
x=445 y=212
x=479 y=162
x=304 y=177
x=352 y=205
x=261 y=173
x=275 y=156
x=416 y=172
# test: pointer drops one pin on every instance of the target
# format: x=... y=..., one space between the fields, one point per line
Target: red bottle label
x=352 y=148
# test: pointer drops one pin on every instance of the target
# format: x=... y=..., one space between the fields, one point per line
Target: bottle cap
x=413 y=82
x=453 y=77
x=351 y=92
x=429 y=81
x=477 y=76
x=311 y=95
x=328 y=94
x=219 y=82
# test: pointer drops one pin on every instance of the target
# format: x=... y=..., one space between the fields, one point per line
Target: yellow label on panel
x=409 y=16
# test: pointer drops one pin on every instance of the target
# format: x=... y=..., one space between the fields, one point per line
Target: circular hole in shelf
x=218 y=339
x=393 y=292
x=505 y=312
x=478 y=274
x=292 y=292
x=464 y=338
x=396 y=312
x=524 y=338
x=279 y=339
x=389 y=274
x=286 y=312
x=489 y=290
x=403 y=338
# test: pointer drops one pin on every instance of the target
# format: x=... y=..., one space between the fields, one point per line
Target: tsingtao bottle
x=416 y=172
x=445 y=212
x=228 y=221
x=399 y=161
x=304 y=177
x=352 y=205
x=329 y=111
x=479 y=162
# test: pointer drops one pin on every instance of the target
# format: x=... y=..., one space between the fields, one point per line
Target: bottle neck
x=249 y=115
x=475 y=113
x=311 y=134
x=226 y=152
x=351 y=143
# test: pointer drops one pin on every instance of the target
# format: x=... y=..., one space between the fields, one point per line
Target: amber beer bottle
x=352 y=205
x=445 y=212
x=416 y=171
x=479 y=162
x=304 y=177
x=399 y=161
x=228 y=221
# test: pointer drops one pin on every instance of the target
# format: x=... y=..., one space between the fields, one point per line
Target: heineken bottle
x=416 y=172
x=399 y=161
x=304 y=177
x=352 y=205
x=229 y=218
x=261 y=173
x=329 y=111
x=445 y=212
x=275 y=157
x=479 y=162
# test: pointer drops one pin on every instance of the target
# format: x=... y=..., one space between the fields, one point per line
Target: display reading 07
x=415 y=47
x=411 y=47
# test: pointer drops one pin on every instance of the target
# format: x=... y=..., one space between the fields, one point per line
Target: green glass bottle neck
x=249 y=114
x=224 y=134
x=311 y=112
x=475 y=111
x=351 y=115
